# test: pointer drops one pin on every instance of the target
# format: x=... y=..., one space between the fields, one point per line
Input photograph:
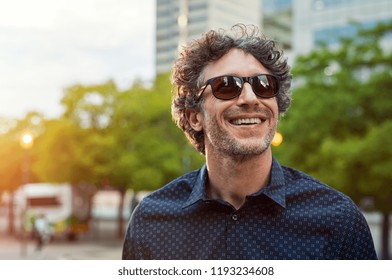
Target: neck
x=233 y=178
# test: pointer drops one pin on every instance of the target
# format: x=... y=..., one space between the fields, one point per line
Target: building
x=277 y=21
x=326 y=21
x=177 y=21
x=300 y=25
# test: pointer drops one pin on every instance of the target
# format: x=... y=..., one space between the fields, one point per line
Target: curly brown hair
x=188 y=69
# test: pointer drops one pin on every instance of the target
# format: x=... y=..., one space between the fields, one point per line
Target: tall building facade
x=300 y=25
x=326 y=21
x=180 y=20
x=277 y=21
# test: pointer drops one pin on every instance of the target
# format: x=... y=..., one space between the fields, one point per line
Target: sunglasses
x=228 y=87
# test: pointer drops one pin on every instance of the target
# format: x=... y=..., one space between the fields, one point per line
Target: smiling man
x=231 y=88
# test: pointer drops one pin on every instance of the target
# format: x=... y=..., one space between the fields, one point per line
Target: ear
x=195 y=119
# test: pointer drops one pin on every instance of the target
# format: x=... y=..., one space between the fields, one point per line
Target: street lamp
x=26 y=141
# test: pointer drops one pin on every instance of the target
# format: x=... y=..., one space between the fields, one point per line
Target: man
x=41 y=231
x=231 y=89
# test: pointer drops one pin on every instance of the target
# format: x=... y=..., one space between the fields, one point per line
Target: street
x=13 y=249
x=99 y=245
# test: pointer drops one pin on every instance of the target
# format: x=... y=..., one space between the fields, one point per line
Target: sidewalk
x=13 y=249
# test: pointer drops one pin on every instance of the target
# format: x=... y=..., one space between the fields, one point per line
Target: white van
x=55 y=202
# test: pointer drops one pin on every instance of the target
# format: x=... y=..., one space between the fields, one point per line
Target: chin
x=249 y=149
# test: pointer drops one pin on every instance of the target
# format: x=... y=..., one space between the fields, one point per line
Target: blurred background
x=85 y=124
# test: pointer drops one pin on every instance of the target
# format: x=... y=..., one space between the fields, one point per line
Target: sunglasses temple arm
x=202 y=91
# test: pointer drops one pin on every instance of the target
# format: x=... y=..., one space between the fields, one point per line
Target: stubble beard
x=238 y=150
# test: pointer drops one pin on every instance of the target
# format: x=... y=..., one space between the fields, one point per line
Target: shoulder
x=308 y=194
x=345 y=222
x=305 y=187
x=169 y=197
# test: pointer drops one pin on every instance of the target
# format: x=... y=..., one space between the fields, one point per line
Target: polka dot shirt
x=294 y=217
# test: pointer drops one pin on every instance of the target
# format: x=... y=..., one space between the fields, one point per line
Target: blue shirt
x=294 y=217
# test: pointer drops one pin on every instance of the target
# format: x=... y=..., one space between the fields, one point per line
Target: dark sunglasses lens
x=226 y=87
x=265 y=86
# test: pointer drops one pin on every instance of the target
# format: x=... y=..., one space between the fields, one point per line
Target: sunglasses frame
x=243 y=80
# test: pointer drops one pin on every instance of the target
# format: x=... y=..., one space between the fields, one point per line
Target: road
x=100 y=244
x=13 y=249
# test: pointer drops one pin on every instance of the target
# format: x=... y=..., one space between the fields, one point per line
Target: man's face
x=243 y=126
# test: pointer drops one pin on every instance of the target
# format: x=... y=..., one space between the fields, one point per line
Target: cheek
x=273 y=106
x=213 y=109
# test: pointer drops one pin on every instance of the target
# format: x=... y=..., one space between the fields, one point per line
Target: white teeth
x=247 y=121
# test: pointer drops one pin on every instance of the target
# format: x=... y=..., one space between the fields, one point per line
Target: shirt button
x=234 y=217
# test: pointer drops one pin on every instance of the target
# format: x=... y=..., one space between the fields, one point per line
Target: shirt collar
x=274 y=190
x=198 y=188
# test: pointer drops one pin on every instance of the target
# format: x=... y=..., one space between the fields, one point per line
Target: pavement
x=100 y=243
x=12 y=248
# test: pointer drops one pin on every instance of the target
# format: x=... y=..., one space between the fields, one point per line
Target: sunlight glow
x=278 y=139
x=26 y=140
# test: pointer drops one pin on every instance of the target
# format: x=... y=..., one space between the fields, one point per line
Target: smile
x=246 y=121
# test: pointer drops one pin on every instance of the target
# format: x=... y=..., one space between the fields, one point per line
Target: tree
x=124 y=139
x=340 y=124
x=150 y=150
x=74 y=148
x=17 y=161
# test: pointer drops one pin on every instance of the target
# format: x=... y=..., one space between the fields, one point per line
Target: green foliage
x=11 y=164
x=89 y=106
x=56 y=150
x=155 y=149
x=125 y=139
x=15 y=166
x=340 y=123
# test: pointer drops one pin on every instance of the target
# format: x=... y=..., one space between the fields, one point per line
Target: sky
x=49 y=45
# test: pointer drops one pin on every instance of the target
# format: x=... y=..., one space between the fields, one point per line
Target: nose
x=247 y=96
